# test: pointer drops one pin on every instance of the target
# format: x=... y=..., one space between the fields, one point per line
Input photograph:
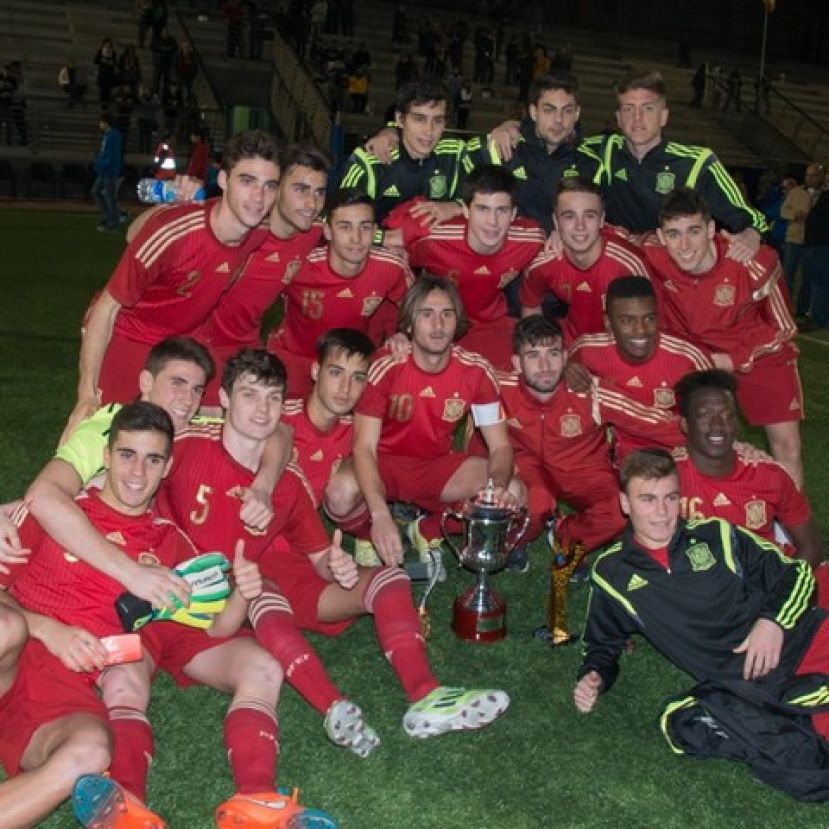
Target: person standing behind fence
x=108 y=166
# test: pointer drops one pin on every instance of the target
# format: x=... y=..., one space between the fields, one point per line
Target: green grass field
x=541 y=766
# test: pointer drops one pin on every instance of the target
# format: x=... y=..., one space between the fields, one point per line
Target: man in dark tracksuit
x=719 y=602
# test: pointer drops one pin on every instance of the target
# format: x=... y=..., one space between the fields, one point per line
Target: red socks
x=133 y=751
x=251 y=739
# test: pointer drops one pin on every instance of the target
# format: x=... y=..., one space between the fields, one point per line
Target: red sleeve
x=413 y=229
x=536 y=282
x=31 y=535
x=793 y=508
x=303 y=529
x=375 y=394
x=612 y=406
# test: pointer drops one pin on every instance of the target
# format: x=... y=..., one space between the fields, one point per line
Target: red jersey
x=421 y=409
x=480 y=277
x=237 y=319
x=567 y=431
x=202 y=493
x=172 y=275
x=755 y=494
x=318 y=454
x=57 y=584
x=735 y=308
x=583 y=289
x=317 y=299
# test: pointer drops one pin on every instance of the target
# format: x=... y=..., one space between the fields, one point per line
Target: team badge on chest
x=665 y=182
x=438 y=188
x=664 y=397
x=756 y=517
x=290 y=271
x=570 y=425
x=700 y=557
x=370 y=304
x=453 y=409
x=724 y=295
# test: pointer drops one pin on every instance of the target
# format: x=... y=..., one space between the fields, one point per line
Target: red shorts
x=771 y=391
x=417 y=480
x=172 y=646
x=43 y=691
x=123 y=362
x=297 y=366
x=493 y=340
x=298 y=581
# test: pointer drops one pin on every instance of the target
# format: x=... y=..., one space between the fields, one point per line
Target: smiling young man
x=588 y=262
x=643 y=363
x=340 y=285
x=481 y=252
x=723 y=605
x=174 y=273
x=735 y=311
x=717 y=479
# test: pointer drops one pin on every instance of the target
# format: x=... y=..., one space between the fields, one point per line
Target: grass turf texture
x=539 y=766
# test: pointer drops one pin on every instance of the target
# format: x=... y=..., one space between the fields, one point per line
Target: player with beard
x=588 y=262
x=643 y=363
x=341 y=285
x=737 y=312
x=718 y=480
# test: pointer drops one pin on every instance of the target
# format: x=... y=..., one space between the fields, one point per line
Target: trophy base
x=556 y=638
x=477 y=621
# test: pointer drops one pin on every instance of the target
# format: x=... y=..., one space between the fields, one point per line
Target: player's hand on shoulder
x=578 y=378
x=743 y=246
x=382 y=144
x=246 y=574
x=554 y=245
x=586 y=692
x=77 y=648
x=257 y=508
x=750 y=452
x=11 y=552
x=156 y=584
x=762 y=649
x=342 y=565
x=386 y=540
x=188 y=188
x=400 y=347
x=434 y=212
x=505 y=137
x=723 y=361
x=84 y=408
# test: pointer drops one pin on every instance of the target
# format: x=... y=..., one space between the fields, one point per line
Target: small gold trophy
x=565 y=559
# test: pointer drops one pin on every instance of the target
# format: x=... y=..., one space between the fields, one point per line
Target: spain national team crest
x=756 y=517
x=290 y=271
x=370 y=304
x=700 y=557
x=724 y=295
x=570 y=425
x=438 y=188
x=664 y=398
x=146 y=557
x=453 y=409
x=665 y=182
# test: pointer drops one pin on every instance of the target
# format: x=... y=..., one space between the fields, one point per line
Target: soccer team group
x=637 y=337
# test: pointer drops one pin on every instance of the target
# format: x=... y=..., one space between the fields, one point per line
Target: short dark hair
x=534 y=330
x=417 y=294
x=565 y=81
x=347 y=340
x=697 y=381
x=347 y=197
x=422 y=91
x=141 y=416
x=249 y=144
x=303 y=154
x=650 y=80
x=683 y=201
x=106 y=118
x=487 y=179
x=263 y=366
x=628 y=287
x=649 y=464
x=576 y=184
x=179 y=348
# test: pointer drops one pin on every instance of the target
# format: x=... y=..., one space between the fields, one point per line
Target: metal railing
x=798 y=126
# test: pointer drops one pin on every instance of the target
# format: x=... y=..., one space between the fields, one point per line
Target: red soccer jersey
x=202 y=493
x=56 y=584
x=172 y=275
x=317 y=299
x=420 y=410
x=480 y=277
x=755 y=494
x=237 y=319
x=735 y=308
x=584 y=290
x=318 y=454
x=650 y=382
x=567 y=431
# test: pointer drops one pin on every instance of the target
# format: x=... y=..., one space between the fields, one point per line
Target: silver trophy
x=490 y=532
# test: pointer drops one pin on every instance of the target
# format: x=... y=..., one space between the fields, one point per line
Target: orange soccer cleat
x=100 y=803
x=270 y=810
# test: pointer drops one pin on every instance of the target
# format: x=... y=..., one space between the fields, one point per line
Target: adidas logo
x=345 y=293
x=392 y=192
x=794 y=406
x=482 y=271
x=634 y=382
x=427 y=392
x=116 y=538
x=514 y=423
x=636 y=581
x=520 y=172
x=670 y=286
x=317 y=456
x=722 y=500
x=223 y=268
x=622 y=175
x=272 y=257
x=584 y=287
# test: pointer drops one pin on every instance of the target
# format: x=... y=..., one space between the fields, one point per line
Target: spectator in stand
x=541 y=61
x=199 y=155
x=124 y=104
x=816 y=254
x=362 y=56
x=68 y=82
x=18 y=102
x=144 y=16
x=698 y=84
x=399 y=27
x=129 y=70
x=734 y=91
x=147 y=110
x=511 y=54
x=186 y=70
x=7 y=87
x=358 y=82
x=319 y=14
x=562 y=58
x=463 y=105
x=108 y=166
x=165 y=49
x=107 y=63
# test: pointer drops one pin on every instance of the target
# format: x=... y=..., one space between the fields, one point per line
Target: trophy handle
x=450 y=513
x=513 y=536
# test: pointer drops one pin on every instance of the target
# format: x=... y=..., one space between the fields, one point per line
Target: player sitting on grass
x=312 y=584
